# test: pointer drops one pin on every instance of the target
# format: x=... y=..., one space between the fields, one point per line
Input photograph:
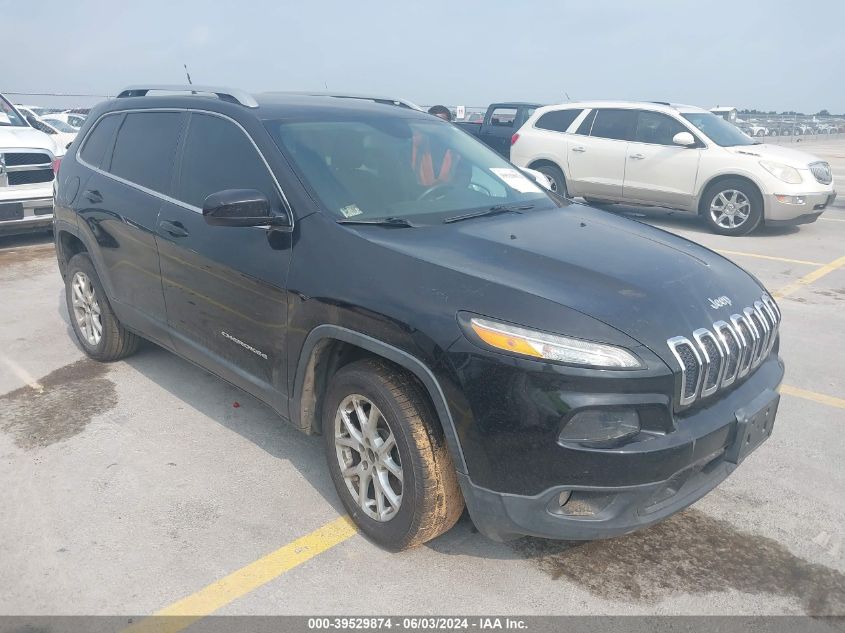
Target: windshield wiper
x=495 y=210
x=391 y=221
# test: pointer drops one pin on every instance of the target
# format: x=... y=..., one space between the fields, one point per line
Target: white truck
x=29 y=161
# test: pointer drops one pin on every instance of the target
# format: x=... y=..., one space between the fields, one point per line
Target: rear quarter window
x=100 y=139
x=557 y=120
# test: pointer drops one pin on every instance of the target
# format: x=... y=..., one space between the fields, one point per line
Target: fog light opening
x=598 y=427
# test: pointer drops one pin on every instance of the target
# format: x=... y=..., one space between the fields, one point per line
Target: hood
x=26 y=138
x=776 y=153
x=647 y=283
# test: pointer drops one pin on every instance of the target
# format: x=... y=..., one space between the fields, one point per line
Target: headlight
x=517 y=340
x=782 y=172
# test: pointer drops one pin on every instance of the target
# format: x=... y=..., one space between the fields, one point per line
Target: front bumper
x=22 y=215
x=652 y=479
x=812 y=204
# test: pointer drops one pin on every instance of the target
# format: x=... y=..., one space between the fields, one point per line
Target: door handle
x=92 y=195
x=578 y=148
x=174 y=229
x=636 y=156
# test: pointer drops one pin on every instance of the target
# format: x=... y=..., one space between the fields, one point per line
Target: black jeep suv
x=455 y=332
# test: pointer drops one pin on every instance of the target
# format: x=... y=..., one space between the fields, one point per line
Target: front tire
x=732 y=207
x=388 y=457
x=97 y=329
x=555 y=175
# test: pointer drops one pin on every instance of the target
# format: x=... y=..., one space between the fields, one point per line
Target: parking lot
x=150 y=486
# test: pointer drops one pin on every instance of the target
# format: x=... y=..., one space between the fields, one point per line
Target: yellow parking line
x=186 y=611
x=833 y=219
x=812 y=395
x=810 y=277
x=772 y=257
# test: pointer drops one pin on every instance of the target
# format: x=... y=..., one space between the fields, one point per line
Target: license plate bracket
x=11 y=211
x=753 y=426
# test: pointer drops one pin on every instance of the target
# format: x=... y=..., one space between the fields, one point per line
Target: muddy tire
x=388 y=457
x=97 y=329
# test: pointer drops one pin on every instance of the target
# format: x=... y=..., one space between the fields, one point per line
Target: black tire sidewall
x=755 y=218
x=391 y=534
x=82 y=263
x=555 y=174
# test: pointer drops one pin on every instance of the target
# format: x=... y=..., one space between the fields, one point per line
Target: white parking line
x=21 y=373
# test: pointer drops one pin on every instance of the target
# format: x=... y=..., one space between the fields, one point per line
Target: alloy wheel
x=368 y=457
x=730 y=208
x=86 y=308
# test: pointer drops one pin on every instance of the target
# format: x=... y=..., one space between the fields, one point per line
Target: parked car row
x=789 y=128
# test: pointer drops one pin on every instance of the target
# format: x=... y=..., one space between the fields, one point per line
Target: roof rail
x=224 y=94
x=666 y=103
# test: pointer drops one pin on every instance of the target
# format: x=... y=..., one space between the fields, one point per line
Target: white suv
x=674 y=156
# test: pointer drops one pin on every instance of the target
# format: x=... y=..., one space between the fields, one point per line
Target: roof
x=657 y=106
x=270 y=105
x=354 y=95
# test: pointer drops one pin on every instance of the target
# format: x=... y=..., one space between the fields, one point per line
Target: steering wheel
x=428 y=194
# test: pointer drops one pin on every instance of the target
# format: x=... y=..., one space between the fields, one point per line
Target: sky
x=767 y=55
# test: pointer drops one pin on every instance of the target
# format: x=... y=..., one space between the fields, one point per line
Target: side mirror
x=685 y=139
x=240 y=207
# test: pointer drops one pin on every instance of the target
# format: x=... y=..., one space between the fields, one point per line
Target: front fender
x=402 y=358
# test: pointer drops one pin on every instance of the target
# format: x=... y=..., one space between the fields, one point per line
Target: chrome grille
x=23 y=167
x=30 y=176
x=821 y=172
x=714 y=358
x=16 y=159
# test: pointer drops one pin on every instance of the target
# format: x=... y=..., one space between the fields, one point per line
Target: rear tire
x=555 y=175
x=379 y=429
x=732 y=207
x=97 y=329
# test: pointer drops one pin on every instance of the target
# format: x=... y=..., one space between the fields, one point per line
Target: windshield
x=61 y=126
x=8 y=116
x=718 y=130
x=367 y=167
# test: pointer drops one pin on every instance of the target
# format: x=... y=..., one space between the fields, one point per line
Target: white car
x=64 y=132
x=61 y=133
x=73 y=119
x=676 y=156
x=28 y=162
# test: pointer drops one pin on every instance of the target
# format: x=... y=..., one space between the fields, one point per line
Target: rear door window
x=145 y=148
x=615 y=124
x=557 y=120
x=218 y=156
x=99 y=141
x=586 y=124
